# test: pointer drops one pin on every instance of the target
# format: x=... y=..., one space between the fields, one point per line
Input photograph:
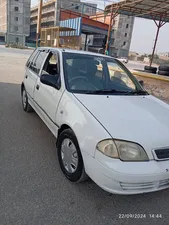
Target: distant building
x=164 y=54
x=51 y=14
x=86 y=8
x=133 y=56
x=121 y=35
x=15 y=20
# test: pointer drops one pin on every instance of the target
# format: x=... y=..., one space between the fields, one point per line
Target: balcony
x=44 y=11
x=48 y=19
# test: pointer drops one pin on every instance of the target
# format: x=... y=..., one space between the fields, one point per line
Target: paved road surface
x=135 y=65
x=33 y=190
x=4 y=50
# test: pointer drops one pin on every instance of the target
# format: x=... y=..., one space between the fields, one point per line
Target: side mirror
x=141 y=82
x=50 y=80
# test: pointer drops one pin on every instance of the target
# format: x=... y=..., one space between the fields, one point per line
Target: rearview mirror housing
x=141 y=82
x=50 y=80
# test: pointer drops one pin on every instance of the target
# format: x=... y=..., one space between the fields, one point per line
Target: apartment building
x=121 y=35
x=51 y=14
x=15 y=20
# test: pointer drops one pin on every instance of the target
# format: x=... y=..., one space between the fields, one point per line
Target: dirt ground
x=158 y=88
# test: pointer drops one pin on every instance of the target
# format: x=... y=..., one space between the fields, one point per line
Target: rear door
x=33 y=70
x=30 y=75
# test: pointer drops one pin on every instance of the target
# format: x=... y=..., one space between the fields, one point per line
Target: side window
x=38 y=62
x=32 y=63
x=31 y=58
x=51 y=67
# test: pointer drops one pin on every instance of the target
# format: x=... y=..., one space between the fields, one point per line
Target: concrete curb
x=150 y=75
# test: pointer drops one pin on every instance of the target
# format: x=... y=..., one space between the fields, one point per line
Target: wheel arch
x=65 y=127
x=62 y=128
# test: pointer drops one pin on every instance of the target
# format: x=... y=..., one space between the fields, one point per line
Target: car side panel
x=53 y=127
x=29 y=82
x=85 y=126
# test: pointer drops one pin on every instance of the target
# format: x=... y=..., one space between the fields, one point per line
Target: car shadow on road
x=31 y=177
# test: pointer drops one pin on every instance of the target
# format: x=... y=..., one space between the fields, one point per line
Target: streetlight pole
x=39 y=21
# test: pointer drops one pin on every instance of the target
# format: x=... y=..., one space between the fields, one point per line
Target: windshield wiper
x=107 y=91
x=138 y=92
x=114 y=91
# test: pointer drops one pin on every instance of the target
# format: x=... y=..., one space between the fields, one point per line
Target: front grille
x=162 y=153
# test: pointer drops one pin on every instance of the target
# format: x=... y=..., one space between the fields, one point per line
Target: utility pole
x=109 y=30
x=39 y=21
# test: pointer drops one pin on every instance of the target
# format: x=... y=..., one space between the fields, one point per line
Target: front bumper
x=119 y=177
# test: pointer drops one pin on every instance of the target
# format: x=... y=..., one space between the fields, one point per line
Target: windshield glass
x=99 y=75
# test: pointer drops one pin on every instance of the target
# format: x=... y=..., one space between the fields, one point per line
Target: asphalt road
x=33 y=190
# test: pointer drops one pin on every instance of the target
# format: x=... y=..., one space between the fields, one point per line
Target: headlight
x=108 y=148
x=126 y=151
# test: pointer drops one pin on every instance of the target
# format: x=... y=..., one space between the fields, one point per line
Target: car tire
x=69 y=156
x=25 y=104
x=150 y=69
x=164 y=68
x=163 y=73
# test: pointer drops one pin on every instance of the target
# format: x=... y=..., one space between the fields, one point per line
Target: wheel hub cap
x=69 y=156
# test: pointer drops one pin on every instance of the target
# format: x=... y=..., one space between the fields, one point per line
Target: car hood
x=140 y=119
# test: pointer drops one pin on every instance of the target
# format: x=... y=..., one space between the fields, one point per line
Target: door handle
x=37 y=87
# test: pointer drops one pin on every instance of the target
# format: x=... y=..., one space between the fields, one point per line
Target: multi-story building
x=120 y=36
x=51 y=14
x=86 y=8
x=15 y=20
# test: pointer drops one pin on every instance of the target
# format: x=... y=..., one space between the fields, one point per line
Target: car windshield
x=92 y=74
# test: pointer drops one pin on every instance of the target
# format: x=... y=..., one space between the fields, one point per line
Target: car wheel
x=25 y=104
x=69 y=156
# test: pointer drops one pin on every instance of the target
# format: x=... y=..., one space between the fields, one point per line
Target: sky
x=144 y=33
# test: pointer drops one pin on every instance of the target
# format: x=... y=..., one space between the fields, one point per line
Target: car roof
x=74 y=51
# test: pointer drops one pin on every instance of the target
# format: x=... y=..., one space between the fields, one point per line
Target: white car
x=123 y=59
x=106 y=125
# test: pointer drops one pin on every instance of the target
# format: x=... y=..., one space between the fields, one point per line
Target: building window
x=16 y=18
x=127 y=26
x=125 y=35
x=16 y=28
x=124 y=43
x=17 y=39
x=16 y=9
x=16 y=0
